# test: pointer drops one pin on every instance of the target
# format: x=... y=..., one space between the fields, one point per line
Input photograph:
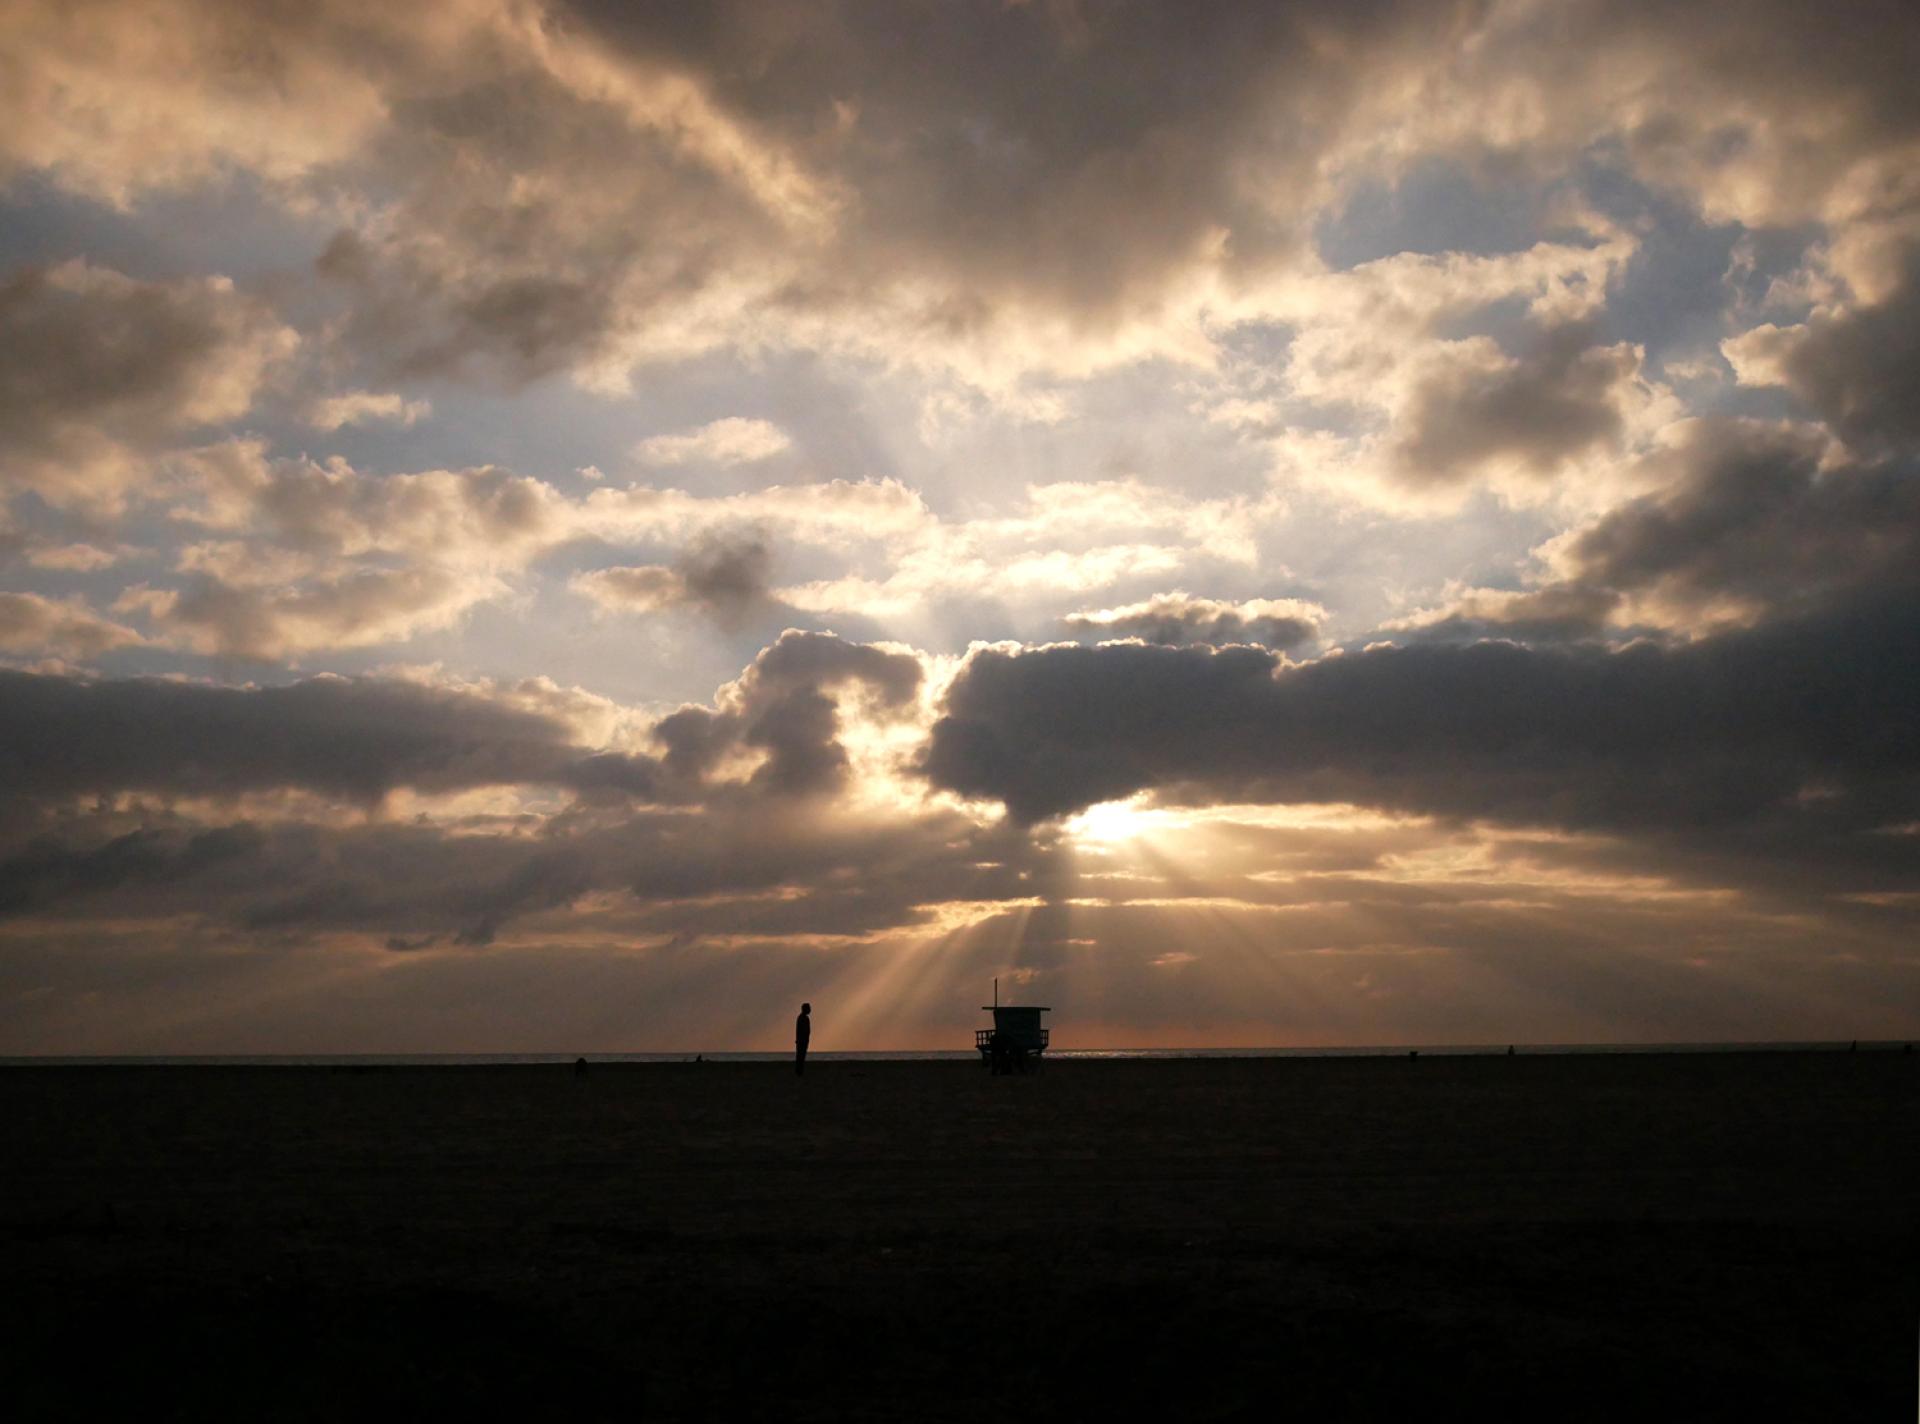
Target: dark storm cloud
x=358 y=739
x=1753 y=523
x=783 y=709
x=926 y=176
x=295 y=879
x=1797 y=731
x=1555 y=613
x=1860 y=369
x=920 y=176
x=566 y=184
x=728 y=577
x=1757 y=521
x=352 y=738
x=969 y=160
x=742 y=871
x=68 y=747
x=1560 y=397
x=51 y=871
x=1178 y=618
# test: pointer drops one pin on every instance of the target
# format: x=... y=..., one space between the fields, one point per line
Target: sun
x=1110 y=823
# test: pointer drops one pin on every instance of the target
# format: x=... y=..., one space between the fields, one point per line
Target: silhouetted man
x=802 y=1031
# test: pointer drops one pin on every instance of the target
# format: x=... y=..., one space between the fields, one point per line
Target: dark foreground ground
x=1690 y=1236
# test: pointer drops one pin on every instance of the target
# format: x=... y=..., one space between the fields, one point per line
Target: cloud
x=1746 y=522
x=66 y=628
x=739 y=876
x=39 y=550
x=1179 y=618
x=322 y=555
x=775 y=861
x=1062 y=540
x=353 y=609
x=772 y=731
x=186 y=798
x=98 y=369
x=780 y=711
x=356 y=739
x=1784 y=745
x=732 y=441
x=726 y=578
x=1480 y=412
x=74 y=558
x=983 y=193
x=912 y=189
x=117 y=101
x=1364 y=300
x=649 y=588
x=1385 y=395
x=469 y=516
x=1783 y=120
x=361 y=407
x=1855 y=363
x=1761 y=524
x=1553 y=612
x=626 y=217
x=312 y=554
x=832 y=513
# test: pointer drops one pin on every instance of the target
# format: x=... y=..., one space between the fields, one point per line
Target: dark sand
x=1692 y=1236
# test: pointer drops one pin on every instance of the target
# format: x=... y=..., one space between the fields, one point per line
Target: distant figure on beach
x=802 y=1032
x=579 y=1067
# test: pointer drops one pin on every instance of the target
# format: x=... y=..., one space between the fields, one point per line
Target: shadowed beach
x=1703 y=1235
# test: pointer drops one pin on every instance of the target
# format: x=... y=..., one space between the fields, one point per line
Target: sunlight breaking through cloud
x=529 y=519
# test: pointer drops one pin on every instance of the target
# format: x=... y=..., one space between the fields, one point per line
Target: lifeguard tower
x=1016 y=1039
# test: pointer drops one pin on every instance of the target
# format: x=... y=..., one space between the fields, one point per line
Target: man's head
x=806 y=1008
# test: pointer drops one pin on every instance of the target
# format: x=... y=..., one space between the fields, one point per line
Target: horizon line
x=1188 y=1051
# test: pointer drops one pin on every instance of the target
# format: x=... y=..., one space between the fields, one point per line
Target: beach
x=1701 y=1236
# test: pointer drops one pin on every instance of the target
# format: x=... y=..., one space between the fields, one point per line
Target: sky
x=547 y=527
